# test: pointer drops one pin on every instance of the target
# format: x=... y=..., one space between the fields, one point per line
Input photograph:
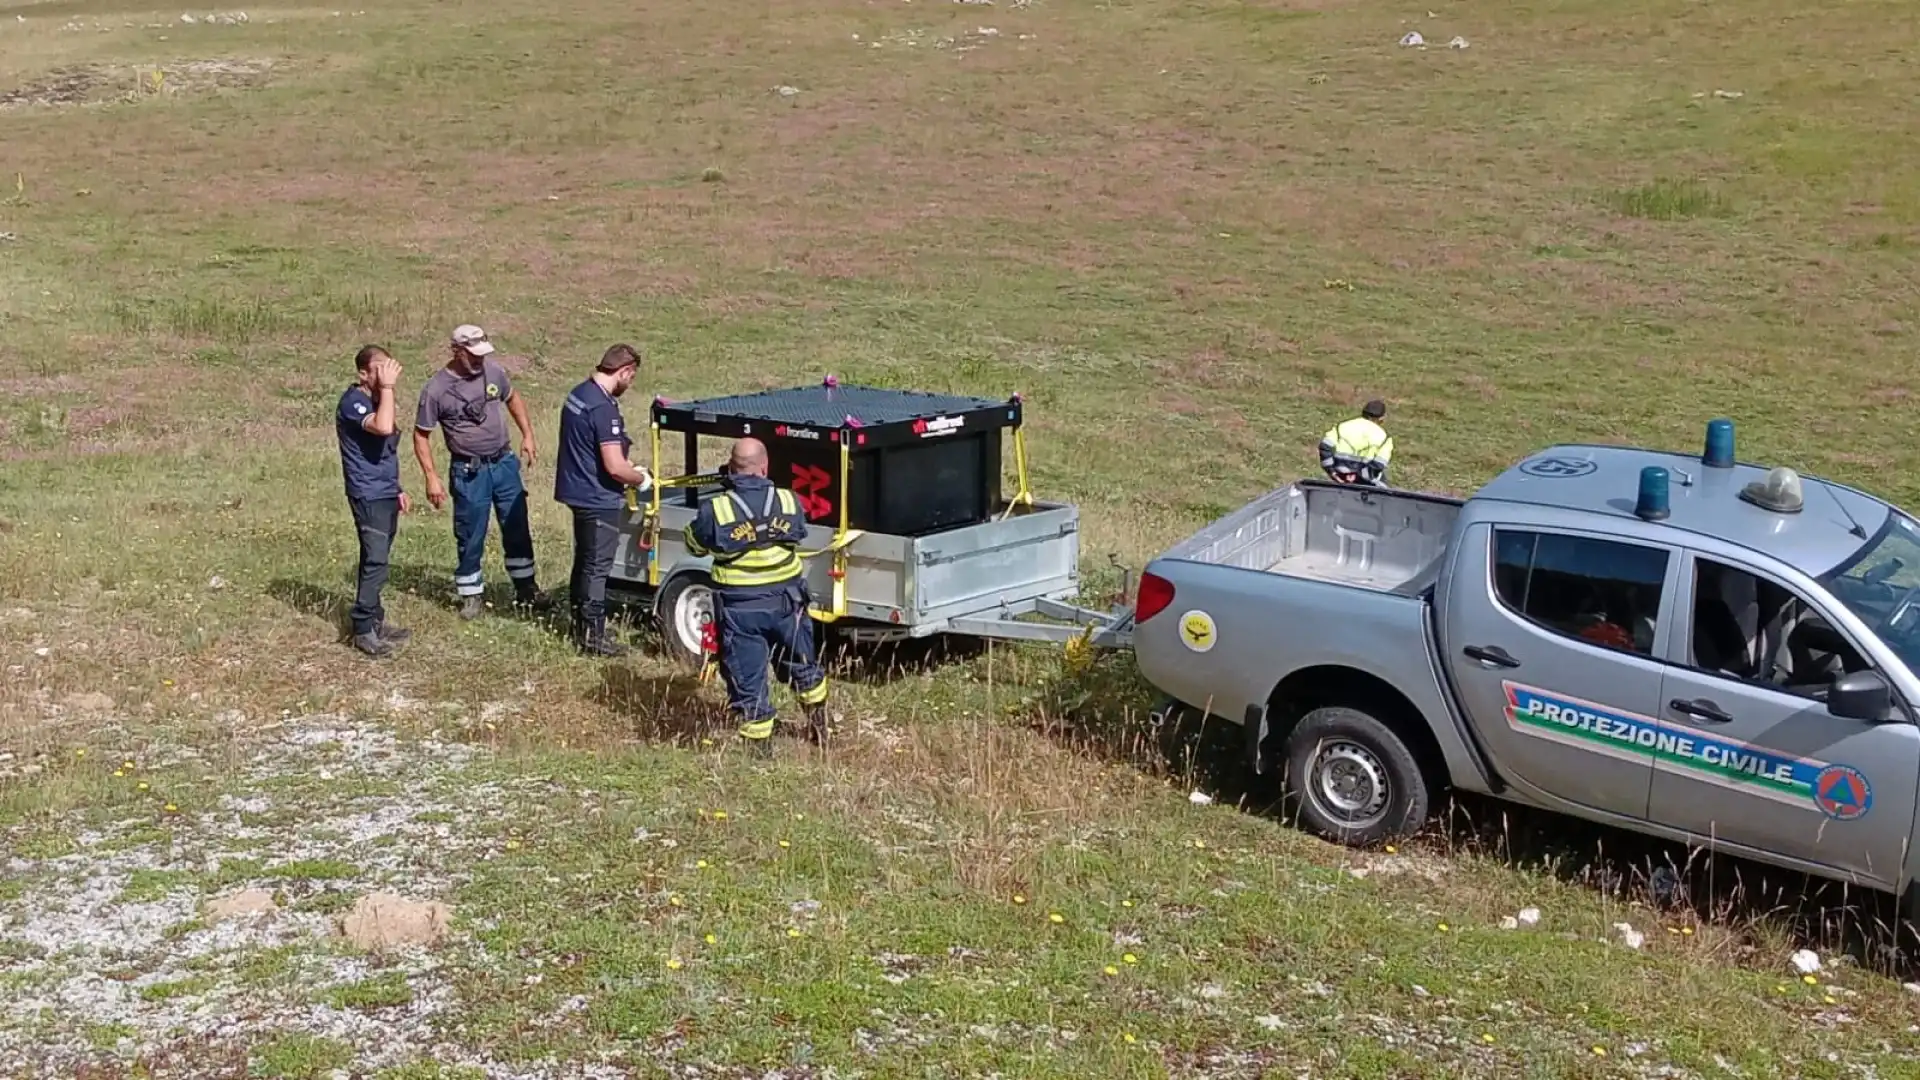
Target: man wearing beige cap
x=466 y=400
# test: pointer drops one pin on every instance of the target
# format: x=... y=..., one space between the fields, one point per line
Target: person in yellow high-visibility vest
x=1357 y=451
x=752 y=529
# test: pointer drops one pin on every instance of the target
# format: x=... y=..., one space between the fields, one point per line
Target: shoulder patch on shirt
x=493 y=390
x=359 y=407
x=616 y=427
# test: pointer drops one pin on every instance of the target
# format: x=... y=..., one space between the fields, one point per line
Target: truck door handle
x=1490 y=654
x=1701 y=709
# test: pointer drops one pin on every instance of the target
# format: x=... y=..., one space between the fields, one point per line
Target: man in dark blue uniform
x=370 y=462
x=590 y=478
x=753 y=532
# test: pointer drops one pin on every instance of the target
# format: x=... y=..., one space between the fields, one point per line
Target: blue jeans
x=479 y=486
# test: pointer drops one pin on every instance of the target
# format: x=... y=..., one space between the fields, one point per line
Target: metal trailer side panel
x=915 y=583
x=1267 y=626
x=1002 y=562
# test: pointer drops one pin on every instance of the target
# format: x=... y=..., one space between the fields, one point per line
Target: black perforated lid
x=829 y=406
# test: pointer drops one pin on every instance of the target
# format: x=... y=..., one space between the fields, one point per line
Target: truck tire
x=1351 y=780
x=684 y=606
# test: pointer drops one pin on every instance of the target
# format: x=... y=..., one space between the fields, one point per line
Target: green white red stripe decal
x=1838 y=791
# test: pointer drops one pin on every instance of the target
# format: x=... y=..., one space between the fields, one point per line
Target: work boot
x=472 y=607
x=818 y=730
x=372 y=644
x=604 y=646
x=392 y=635
x=530 y=596
x=592 y=639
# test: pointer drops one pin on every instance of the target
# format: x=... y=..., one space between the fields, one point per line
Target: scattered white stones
x=786 y=91
x=1528 y=917
x=1625 y=934
x=96 y=930
x=1414 y=40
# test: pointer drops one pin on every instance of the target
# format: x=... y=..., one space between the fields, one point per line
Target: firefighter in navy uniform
x=753 y=532
x=591 y=477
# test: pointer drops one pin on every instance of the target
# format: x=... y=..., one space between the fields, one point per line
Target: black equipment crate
x=920 y=463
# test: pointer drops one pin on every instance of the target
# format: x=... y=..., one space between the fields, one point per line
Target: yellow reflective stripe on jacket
x=1361 y=438
x=768 y=565
x=764 y=566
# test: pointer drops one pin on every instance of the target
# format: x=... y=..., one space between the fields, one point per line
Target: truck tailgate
x=1266 y=626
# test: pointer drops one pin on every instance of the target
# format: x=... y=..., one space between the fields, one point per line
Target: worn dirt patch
x=105 y=84
x=386 y=921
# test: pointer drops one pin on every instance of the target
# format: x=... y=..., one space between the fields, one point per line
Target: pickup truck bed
x=1369 y=538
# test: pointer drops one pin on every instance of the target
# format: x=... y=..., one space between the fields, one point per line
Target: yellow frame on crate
x=837 y=547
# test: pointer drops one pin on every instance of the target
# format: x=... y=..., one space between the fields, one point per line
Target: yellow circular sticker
x=493 y=390
x=1197 y=631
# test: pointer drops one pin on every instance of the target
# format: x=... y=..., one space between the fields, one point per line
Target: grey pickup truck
x=1687 y=646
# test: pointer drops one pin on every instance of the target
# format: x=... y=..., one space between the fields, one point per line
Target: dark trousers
x=377 y=520
x=758 y=632
x=480 y=487
x=596 y=537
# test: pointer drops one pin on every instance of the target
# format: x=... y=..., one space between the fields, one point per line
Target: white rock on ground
x=1805 y=961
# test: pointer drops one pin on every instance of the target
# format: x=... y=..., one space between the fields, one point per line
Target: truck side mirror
x=1861 y=695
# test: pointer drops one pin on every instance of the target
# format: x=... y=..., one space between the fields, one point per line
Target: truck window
x=1749 y=628
x=1602 y=592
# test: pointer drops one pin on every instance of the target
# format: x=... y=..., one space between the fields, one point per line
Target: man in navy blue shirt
x=370 y=463
x=591 y=477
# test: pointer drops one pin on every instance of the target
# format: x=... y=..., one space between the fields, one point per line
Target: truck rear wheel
x=685 y=608
x=1351 y=780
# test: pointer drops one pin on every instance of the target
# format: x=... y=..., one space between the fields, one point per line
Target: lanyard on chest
x=759 y=521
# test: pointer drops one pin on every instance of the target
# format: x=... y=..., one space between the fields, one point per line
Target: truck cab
x=1688 y=646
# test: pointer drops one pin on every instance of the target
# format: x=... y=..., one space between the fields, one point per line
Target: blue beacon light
x=1719 y=451
x=1652 y=504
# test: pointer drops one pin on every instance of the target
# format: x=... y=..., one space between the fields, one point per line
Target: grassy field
x=1193 y=233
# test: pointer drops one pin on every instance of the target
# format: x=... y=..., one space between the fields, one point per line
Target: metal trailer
x=1000 y=564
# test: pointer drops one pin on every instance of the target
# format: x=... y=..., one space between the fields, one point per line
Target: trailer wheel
x=1351 y=780
x=685 y=608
